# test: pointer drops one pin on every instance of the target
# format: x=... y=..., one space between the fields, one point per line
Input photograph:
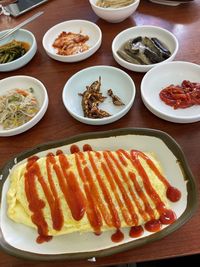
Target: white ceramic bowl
x=170 y=2
x=162 y=76
x=76 y=26
x=24 y=36
x=114 y=15
x=163 y=35
x=25 y=82
x=111 y=77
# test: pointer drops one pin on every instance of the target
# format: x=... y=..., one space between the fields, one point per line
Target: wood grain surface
x=184 y=22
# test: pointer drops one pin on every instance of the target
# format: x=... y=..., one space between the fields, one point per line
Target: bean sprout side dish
x=17 y=107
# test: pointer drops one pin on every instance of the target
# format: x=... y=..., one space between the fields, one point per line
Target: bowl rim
x=32 y=47
x=76 y=55
x=130 y=65
x=163 y=115
x=27 y=125
x=111 y=9
x=127 y=107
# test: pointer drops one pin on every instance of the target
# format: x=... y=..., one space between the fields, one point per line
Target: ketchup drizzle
x=118 y=236
x=74 y=149
x=114 y=221
x=88 y=200
x=125 y=196
x=136 y=231
x=153 y=225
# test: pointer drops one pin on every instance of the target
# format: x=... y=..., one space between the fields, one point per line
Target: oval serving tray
x=87 y=245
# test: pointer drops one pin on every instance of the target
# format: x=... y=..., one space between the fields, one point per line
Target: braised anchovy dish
x=91 y=98
x=12 y=51
x=115 y=99
x=114 y=3
x=144 y=51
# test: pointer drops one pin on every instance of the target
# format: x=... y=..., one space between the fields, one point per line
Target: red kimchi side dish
x=69 y=43
x=181 y=96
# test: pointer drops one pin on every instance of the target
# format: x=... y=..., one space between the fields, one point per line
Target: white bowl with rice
x=114 y=11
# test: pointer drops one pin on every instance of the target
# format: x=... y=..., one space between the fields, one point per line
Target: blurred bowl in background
x=170 y=2
x=114 y=15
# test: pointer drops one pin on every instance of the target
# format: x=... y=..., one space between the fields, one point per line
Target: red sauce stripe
x=121 y=188
x=97 y=198
x=154 y=169
x=115 y=217
x=74 y=149
x=127 y=182
x=114 y=190
x=133 y=157
x=92 y=211
x=36 y=205
x=75 y=195
x=75 y=208
x=87 y=147
x=142 y=196
x=49 y=196
x=57 y=214
x=138 y=189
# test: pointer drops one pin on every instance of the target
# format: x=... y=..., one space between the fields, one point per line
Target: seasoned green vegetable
x=12 y=51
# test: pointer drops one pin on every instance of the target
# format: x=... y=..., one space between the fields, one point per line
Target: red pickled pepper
x=184 y=96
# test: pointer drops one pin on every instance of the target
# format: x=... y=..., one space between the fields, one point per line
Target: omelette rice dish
x=90 y=191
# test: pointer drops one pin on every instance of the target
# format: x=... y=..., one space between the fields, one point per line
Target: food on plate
x=90 y=191
x=114 y=3
x=181 y=96
x=144 y=51
x=91 y=98
x=17 y=107
x=70 y=43
x=12 y=51
x=115 y=99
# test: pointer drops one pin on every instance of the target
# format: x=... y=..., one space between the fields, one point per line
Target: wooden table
x=57 y=124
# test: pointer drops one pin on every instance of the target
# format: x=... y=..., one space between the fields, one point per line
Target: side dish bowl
x=162 y=76
x=39 y=92
x=83 y=27
x=111 y=77
x=22 y=36
x=165 y=37
x=170 y=2
x=114 y=15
